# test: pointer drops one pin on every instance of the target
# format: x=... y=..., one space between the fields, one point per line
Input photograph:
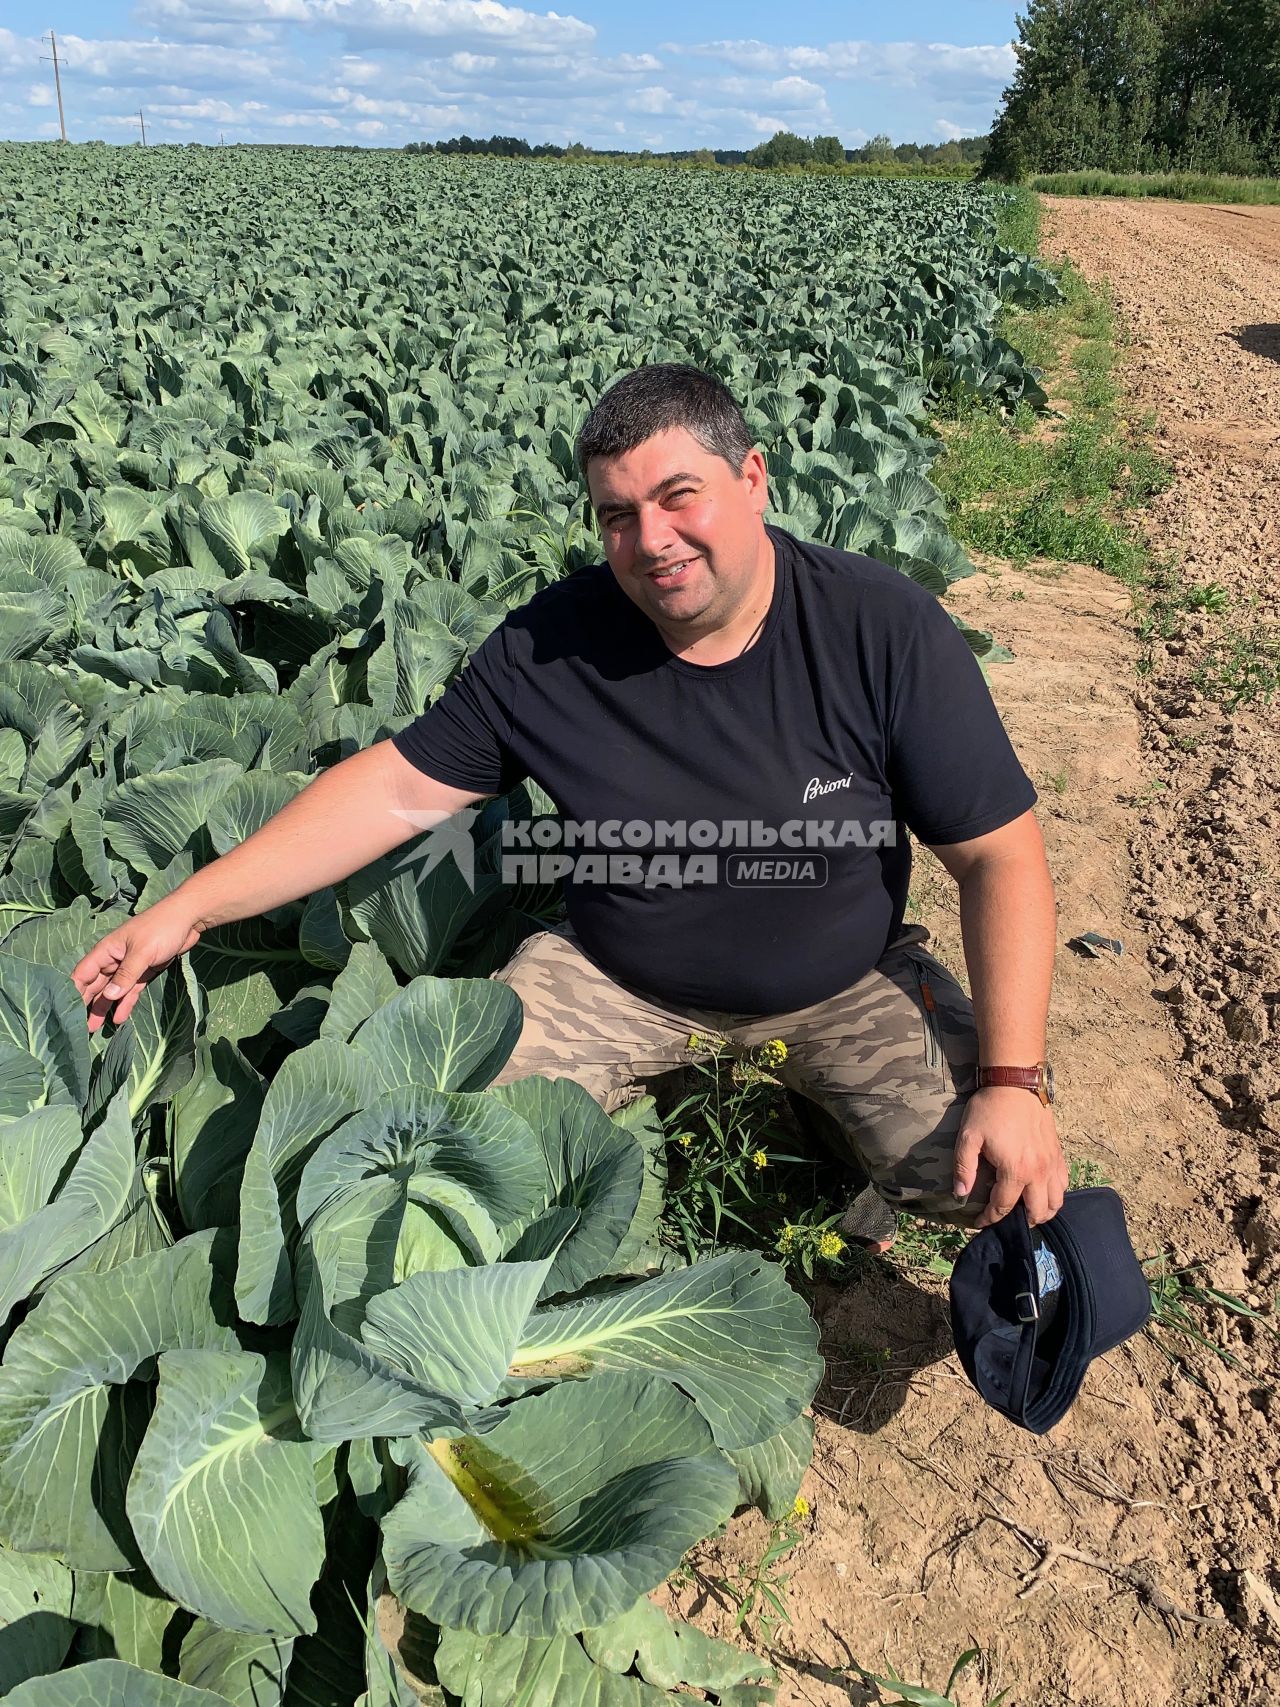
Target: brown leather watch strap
x=1038 y=1079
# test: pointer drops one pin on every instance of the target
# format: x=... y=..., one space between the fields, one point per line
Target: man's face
x=683 y=532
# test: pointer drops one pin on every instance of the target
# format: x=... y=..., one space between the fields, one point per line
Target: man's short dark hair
x=653 y=399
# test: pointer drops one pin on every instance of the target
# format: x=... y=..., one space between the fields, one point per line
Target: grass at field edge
x=1167 y=186
x=1069 y=487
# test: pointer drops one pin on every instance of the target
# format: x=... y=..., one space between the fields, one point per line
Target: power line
x=57 y=80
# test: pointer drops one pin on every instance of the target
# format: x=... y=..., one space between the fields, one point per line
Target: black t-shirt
x=773 y=870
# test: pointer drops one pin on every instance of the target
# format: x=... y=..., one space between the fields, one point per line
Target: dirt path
x=1160 y=814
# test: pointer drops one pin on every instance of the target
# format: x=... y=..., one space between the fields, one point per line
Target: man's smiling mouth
x=673 y=574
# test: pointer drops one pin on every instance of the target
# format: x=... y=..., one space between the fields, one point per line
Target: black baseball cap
x=1025 y=1349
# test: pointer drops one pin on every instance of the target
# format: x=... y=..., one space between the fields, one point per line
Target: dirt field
x=936 y=1526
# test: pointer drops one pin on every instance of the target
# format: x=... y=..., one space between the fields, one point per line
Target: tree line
x=784 y=148
x=1142 y=86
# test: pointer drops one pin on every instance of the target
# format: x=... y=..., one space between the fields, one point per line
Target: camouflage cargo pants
x=890 y=1062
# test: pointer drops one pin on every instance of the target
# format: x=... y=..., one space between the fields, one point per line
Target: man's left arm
x=1008 y=926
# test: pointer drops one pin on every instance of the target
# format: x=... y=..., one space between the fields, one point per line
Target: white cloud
x=395 y=70
x=121 y=61
x=353 y=69
x=479 y=21
x=18 y=53
x=626 y=63
x=232 y=23
x=903 y=62
x=947 y=131
x=796 y=88
x=179 y=16
x=297 y=121
x=797 y=96
x=654 y=99
x=366 y=104
x=221 y=112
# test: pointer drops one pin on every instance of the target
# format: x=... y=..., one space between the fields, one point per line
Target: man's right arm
x=350 y=815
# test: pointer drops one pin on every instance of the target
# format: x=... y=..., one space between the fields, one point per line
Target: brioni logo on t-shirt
x=815 y=786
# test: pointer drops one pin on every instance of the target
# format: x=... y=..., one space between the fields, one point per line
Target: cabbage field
x=331 y=1373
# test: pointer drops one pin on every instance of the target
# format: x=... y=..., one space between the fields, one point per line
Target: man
x=744 y=722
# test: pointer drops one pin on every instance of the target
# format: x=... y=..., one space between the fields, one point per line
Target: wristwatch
x=1038 y=1079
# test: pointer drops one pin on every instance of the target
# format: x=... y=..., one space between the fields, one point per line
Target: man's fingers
x=98 y=967
x=965 y=1164
x=1035 y=1200
x=128 y=1003
x=1056 y=1192
x=1004 y=1195
x=132 y=970
x=101 y=1005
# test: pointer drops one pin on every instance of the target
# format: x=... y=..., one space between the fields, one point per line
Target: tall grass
x=1018 y=220
x=1169 y=186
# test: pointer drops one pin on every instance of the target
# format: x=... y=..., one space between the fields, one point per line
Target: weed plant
x=1180 y=1303
x=757 y=1592
x=739 y=1172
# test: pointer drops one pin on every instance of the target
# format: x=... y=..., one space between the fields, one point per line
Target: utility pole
x=143 y=123
x=57 y=80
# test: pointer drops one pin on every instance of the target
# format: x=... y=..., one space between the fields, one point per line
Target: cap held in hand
x=1030 y=1311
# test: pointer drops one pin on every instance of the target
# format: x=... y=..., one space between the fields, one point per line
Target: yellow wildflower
x=773 y=1053
x=800 y=1506
x=686 y=1138
x=760 y=1158
x=695 y=1041
x=830 y=1246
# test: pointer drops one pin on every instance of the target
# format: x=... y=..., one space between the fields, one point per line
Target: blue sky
x=659 y=74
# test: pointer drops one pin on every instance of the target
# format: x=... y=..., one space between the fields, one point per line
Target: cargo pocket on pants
x=934 y=1054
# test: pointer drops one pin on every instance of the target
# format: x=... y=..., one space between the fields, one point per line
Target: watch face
x=1047 y=1076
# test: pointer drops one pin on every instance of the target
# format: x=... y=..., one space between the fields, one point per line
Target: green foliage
x=1241 y=665
x=956 y=158
x=1021 y=492
x=1131 y=87
x=267 y=489
x=1168 y=186
x=920 y=1695
x=757 y=1592
x=286 y=1283
x=784 y=148
x=1184 y=1307
x=736 y=1175
x=572 y=1431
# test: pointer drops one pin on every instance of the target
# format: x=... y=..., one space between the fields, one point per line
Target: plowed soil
x=1130 y=1556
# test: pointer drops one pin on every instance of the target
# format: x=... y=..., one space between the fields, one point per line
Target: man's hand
x=1019 y=1138
x=121 y=966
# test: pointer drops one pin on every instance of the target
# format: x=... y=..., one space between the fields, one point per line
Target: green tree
x=784 y=148
x=828 y=151
x=1132 y=85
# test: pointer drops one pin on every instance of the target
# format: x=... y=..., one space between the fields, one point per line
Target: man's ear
x=756 y=475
